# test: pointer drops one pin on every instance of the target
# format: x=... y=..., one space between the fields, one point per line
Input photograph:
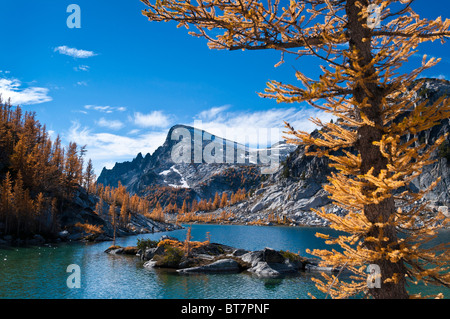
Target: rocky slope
x=80 y=210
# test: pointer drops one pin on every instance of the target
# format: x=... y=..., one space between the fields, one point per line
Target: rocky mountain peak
x=191 y=158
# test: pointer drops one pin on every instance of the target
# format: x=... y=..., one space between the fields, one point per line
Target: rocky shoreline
x=80 y=211
x=214 y=258
x=143 y=226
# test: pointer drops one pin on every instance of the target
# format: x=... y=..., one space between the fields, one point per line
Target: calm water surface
x=40 y=272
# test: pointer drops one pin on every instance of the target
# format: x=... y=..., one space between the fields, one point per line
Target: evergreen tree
x=112 y=213
x=216 y=202
x=6 y=202
x=224 y=200
x=89 y=176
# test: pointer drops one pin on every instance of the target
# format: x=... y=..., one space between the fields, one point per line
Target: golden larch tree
x=363 y=84
x=224 y=200
x=113 y=214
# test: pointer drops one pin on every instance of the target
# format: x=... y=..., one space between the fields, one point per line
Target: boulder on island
x=219 y=266
x=271 y=263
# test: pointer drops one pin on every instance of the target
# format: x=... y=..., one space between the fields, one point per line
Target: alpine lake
x=40 y=272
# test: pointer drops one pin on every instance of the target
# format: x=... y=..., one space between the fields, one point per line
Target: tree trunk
x=360 y=40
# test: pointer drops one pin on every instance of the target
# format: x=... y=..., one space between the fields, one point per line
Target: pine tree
x=187 y=241
x=6 y=202
x=39 y=206
x=224 y=200
x=175 y=208
x=376 y=106
x=99 y=207
x=112 y=213
x=216 y=202
x=54 y=215
x=184 y=208
x=72 y=169
x=194 y=206
x=89 y=176
x=124 y=212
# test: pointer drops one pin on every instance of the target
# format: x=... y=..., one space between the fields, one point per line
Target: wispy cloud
x=73 y=52
x=111 y=124
x=80 y=111
x=133 y=132
x=152 y=119
x=82 y=68
x=12 y=88
x=105 y=108
x=212 y=112
x=257 y=128
x=106 y=148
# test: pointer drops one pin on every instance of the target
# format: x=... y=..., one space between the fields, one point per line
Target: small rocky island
x=190 y=257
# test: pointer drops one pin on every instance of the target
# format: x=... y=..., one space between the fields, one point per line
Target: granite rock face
x=196 y=163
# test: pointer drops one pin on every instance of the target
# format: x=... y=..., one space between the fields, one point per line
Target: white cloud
x=107 y=148
x=212 y=112
x=107 y=165
x=105 y=109
x=80 y=111
x=435 y=76
x=81 y=68
x=440 y=77
x=11 y=88
x=133 y=132
x=258 y=128
x=73 y=52
x=153 y=119
x=111 y=124
x=82 y=83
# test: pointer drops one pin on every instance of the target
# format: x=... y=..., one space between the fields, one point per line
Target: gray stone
x=114 y=251
x=151 y=252
x=272 y=256
x=220 y=266
x=150 y=264
x=239 y=252
x=315 y=268
x=63 y=234
x=252 y=257
x=164 y=237
x=263 y=269
x=257 y=207
x=444 y=210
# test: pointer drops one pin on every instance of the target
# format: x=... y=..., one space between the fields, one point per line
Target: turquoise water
x=40 y=272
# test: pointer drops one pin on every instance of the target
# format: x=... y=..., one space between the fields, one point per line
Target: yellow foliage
x=90 y=229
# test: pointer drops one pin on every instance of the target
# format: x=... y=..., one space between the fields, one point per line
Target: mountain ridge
x=201 y=174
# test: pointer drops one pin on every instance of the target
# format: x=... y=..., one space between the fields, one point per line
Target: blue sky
x=120 y=82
